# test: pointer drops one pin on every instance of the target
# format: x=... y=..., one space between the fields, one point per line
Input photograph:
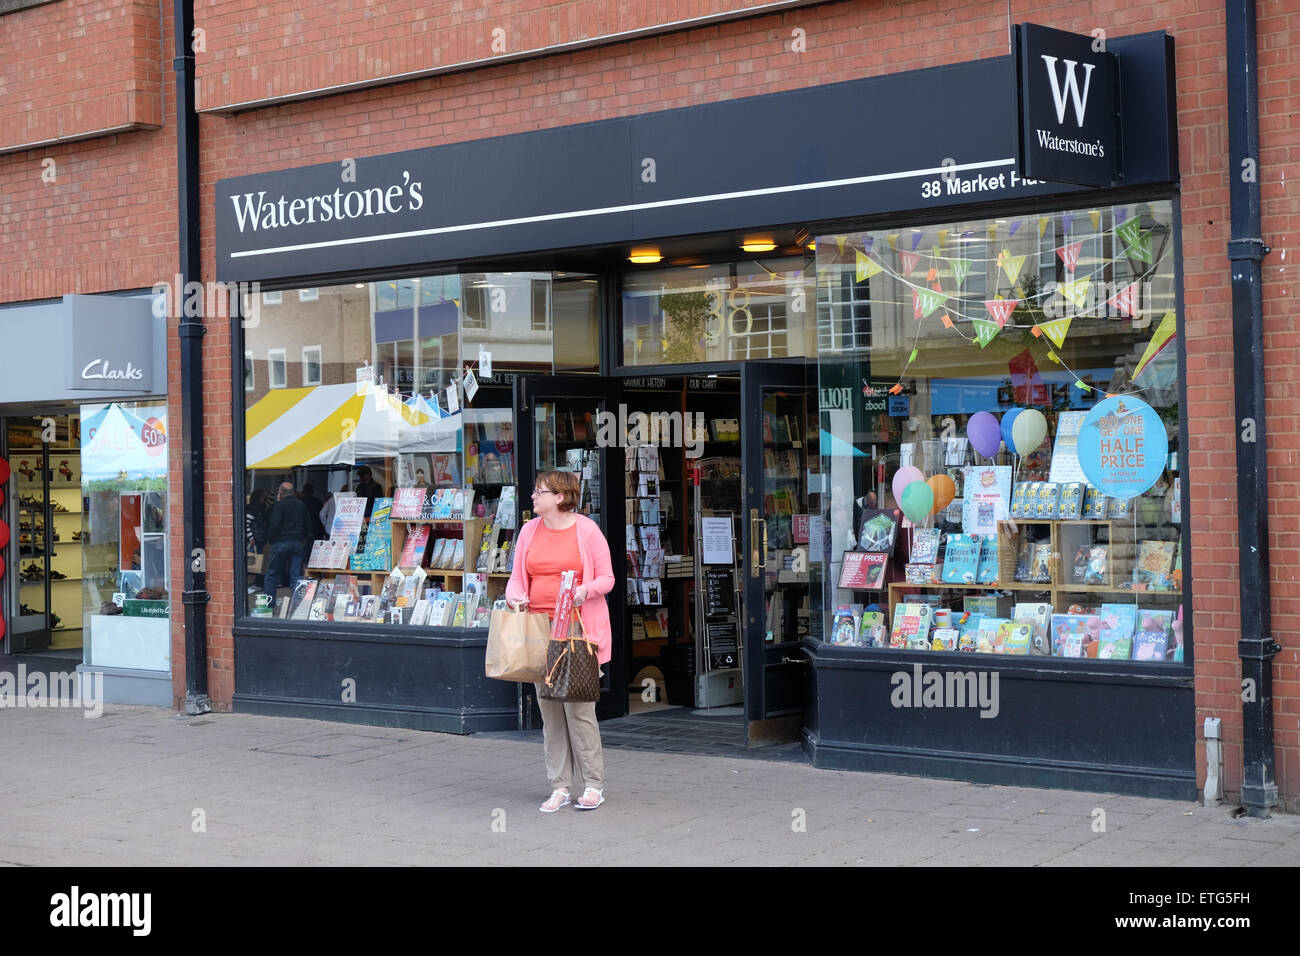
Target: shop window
x=123 y=537
x=308 y=295
x=1016 y=402
x=277 y=368
x=732 y=311
x=272 y=298
x=395 y=485
x=311 y=365
x=249 y=378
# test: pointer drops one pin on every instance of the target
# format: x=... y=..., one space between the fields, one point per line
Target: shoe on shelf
x=57 y=576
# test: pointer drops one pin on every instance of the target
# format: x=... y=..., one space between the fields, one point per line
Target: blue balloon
x=1008 y=419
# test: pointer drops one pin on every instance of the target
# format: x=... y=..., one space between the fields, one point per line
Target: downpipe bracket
x=1252 y=248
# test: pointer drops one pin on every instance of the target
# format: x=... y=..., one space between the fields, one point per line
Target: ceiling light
x=758 y=245
x=644 y=254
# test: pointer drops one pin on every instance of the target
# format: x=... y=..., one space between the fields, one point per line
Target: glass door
x=559 y=421
x=778 y=449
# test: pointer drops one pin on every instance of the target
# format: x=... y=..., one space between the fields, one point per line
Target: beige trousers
x=571 y=739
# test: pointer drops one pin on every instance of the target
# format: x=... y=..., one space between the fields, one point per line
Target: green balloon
x=918 y=499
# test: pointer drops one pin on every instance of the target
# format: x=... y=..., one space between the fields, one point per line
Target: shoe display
x=58 y=508
x=57 y=576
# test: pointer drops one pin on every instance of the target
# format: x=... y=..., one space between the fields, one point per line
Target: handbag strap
x=550 y=677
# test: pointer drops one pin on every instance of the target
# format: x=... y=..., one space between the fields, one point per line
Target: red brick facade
x=80 y=240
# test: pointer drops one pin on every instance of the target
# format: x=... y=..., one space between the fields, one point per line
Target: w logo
x=1071 y=89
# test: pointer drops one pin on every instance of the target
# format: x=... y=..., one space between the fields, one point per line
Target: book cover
x=1118 y=508
x=1070 y=507
x=1039 y=618
x=417 y=537
x=1072 y=634
x=1040 y=566
x=1096 y=570
x=369 y=607
x=303 y=592
x=1094 y=504
x=650 y=538
x=961 y=559
x=879 y=531
x=986 y=634
x=982 y=605
x=987 y=570
x=1051 y=500
x=918 y=573
x=1013 y=638
x=1151 y=639
x=378 y=554
x=1018 y=500
x=842 y=627
x=1154 y=568
x=873 y=631
x=911 y=623
x=317 y=557
x=925 y=545
x=945 y=639
x=986 y=498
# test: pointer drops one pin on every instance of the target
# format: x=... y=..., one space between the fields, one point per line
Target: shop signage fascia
x=918 y=144
x=110 y=344
x=1067 y=94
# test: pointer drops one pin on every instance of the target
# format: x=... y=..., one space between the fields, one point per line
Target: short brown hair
x=563 y=483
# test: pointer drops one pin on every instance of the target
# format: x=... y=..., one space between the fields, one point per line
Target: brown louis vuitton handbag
x=572 y=670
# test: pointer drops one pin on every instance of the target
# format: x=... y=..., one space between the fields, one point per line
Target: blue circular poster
x=1123 y=446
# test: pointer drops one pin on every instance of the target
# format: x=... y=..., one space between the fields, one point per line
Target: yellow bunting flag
x=1011 y=265
x=1042 y=225
x=839 y=243
x=867 y=267
x=943 y=237
x=1164 y=334
x=1053 y=356
x=1056 y=329
x=1095 y=216
x=1077 y=291
x=893 y=240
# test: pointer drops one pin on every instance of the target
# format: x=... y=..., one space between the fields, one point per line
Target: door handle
x=794 y=660
x=755 y=561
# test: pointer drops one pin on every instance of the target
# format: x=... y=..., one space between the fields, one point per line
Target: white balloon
x=1028 y=431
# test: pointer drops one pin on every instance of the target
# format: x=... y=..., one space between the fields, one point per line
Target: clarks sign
x=1066 y=88
x=110 y=349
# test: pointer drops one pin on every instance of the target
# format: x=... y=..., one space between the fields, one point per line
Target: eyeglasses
x=542 y=491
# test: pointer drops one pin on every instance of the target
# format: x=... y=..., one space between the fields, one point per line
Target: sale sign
x=1123 y=446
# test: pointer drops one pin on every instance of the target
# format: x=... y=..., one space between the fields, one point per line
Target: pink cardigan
x=597 y=578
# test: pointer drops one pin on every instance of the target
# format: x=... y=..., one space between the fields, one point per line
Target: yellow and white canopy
x=337 y=425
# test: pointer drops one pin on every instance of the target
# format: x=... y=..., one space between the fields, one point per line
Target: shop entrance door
x=558 y=420
x=778 y=449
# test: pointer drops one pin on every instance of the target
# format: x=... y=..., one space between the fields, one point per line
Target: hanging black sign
x=1067 y=87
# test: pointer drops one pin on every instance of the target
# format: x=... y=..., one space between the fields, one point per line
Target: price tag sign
x=485 y=363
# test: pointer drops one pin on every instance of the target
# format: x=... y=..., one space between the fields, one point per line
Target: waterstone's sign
x=639 y=178
x=1067 y=93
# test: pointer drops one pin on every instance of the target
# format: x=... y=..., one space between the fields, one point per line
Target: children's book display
x=1018 y=565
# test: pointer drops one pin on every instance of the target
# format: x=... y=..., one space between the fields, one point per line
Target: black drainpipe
x=191 y=330
x=1246 y=250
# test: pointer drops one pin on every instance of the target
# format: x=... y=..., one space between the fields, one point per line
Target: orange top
x=551 y=553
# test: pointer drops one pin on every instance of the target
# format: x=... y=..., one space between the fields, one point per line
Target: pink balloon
x=904 y=477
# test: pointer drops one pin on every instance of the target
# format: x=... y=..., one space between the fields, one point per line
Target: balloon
x=917 y=501
x=944 y=491
x=1028 y=431
x=985 y=433
x=1008 y=417
x=904 y=477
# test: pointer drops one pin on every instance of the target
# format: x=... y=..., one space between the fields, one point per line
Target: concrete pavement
x=142 y=786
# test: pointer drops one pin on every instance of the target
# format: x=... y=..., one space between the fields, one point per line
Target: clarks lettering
x=99 y=368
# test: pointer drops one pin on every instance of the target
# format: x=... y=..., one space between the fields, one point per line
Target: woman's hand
x=579 y=595
x=518 y=604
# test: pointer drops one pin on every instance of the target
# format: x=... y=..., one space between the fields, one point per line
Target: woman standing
x=559 y=540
